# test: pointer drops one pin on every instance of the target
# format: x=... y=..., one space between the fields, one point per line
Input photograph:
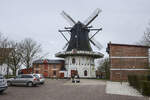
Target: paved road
x=64 y=90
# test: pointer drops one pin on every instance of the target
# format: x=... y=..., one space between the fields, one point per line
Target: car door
x=16 y=80
x=1 y=80
x=26 y=79
x=23 y=80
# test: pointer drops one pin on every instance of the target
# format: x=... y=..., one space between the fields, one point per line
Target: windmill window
x=73 y=61
x=85 y=73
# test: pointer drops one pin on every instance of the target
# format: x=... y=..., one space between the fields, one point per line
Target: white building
x=4 y=68
x=81 y=62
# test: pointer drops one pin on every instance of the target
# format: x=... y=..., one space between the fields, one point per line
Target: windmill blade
x=92 y=17
x=65 y=46
x=68 y=18
x=95 y=42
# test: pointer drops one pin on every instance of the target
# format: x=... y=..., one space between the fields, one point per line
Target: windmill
x=78 y=54
x=79 y=33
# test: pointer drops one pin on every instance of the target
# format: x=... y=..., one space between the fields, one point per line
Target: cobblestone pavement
x=64 y=90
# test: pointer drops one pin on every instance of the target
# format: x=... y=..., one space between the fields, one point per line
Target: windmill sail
x=65 y=46
x=92 y=17
x=95 y=42
x=68 y=18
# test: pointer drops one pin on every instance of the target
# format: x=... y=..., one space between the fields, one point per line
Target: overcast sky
x=123 y=21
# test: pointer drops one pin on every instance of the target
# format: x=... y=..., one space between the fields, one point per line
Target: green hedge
x=9 y=76
x=141 y=83
x=145 y=88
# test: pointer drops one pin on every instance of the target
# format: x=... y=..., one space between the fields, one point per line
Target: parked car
x=41 y=78
x=3 y=83
x=24 y=79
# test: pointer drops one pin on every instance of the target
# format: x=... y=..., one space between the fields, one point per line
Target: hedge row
x=141 y=83
x=9 y=76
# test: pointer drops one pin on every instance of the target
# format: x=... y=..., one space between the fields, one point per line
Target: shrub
x=132 y=80
x=145 y=87
x=148 y=77
x=141 y=83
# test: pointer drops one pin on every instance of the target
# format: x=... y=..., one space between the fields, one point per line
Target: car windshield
x=41 y=76
x=36 y=76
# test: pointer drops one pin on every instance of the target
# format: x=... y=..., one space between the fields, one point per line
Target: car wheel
x=9 y=83
x=42 y=83
x=30 y=84
x=35 y=85
x=2 y=91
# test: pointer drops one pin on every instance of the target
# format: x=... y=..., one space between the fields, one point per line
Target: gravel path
x=121 y=89
x=64 y=90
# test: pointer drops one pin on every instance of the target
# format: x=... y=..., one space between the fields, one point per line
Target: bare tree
x=104 y=66
x=14 y=60
x=4 y=51
x=4 y=48
x=30 y=51
x=146 y=37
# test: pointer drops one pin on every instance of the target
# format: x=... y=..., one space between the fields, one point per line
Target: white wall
x=3 y=69
x=82 y=63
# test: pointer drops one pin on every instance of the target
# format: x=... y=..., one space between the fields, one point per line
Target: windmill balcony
x=76 y=53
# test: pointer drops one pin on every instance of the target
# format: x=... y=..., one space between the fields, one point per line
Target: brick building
x=26 y=71
x=127 y=59
x=49 y=68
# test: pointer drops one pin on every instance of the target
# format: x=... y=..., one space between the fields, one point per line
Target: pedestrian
x=72 y=77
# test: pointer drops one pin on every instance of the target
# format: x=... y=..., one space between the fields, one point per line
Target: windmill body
x=79 y=56
x=79 y=38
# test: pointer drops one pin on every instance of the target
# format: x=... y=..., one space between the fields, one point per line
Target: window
x=54 y=66
x=26 y=76
x=54 y=73
x=46 y=66
x=73 y=61
x=19 y=76
x=85 y=73
x=36 y=71
x=37 y=65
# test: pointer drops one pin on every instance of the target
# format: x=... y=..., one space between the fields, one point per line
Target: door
x=61 y=75
x=45 y=74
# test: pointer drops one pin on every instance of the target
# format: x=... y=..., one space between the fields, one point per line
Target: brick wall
x=129 y=62
x=118 y=75
x=128 y=50
x=127 y=59
x=49 y=70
